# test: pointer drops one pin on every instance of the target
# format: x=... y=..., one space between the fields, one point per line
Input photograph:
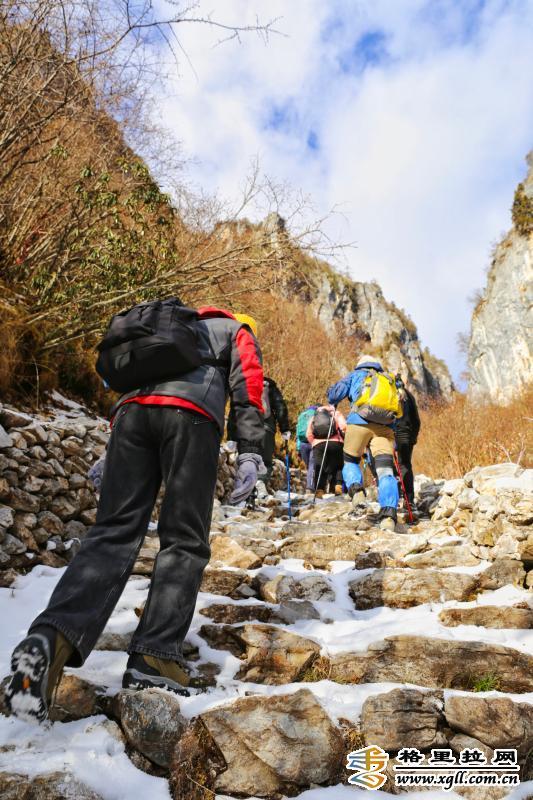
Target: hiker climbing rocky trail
x=311 y=637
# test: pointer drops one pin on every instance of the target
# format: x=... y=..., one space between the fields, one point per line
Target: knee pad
x=351 y=474
x=348 y=459
x=384 y=461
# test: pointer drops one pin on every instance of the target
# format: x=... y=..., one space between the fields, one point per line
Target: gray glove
x=96 y=472
x=248 y=466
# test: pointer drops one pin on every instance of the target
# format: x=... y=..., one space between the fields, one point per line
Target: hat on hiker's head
x=367 y=359
x=247 y=320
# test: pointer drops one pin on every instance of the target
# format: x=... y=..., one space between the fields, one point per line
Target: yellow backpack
x=379 y=399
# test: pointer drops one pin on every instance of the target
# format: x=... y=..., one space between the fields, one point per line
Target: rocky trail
x=316 y=636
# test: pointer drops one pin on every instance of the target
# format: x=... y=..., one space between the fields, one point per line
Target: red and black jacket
x=238 y=373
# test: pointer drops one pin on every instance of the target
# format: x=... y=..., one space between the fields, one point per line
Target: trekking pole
x=408 y=504
x=323 y=457
x=288 y=466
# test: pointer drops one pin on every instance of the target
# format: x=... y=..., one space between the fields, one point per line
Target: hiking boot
x=338 y=489
x=148 y=672
x=358 y=496
x=319 y=493
x=36 y=668
x=385 y=519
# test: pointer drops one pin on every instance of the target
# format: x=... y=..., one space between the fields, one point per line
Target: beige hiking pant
x=380 y=439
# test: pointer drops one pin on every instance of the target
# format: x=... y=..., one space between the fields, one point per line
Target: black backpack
x=322 y=424
x=148 y=343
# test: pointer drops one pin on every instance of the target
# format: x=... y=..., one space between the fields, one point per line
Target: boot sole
x=133 y=679
x=26 y=691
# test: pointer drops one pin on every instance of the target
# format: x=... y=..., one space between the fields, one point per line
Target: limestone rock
x=230 y=553
x=146 y=558
x=268 y=746
x=438 y=663
x=403 y=588
x=285 y=587
x=320 y=549
x=488 y=617
x=224 y=582
x=54 y=786
x=13 y=546
x=461 y=742
x=7 y=517
x=13 y=419
x=451 y=555
x=502 y=573
x=404 y=717
x=76 y=699
x=62 y=507
x=5 y=439
x=24 y=501
x=152 y=722
x=272 y=655
x=292 y=610
x=496 y=721
x=230 y=613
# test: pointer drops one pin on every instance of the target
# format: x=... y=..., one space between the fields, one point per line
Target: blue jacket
x=350 y=387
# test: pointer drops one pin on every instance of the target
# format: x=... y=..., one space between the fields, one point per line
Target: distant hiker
x=375 y=408
x=305 y=450
x=328 y=461
x=407 y=429
x=276 y=415
x=176 y=367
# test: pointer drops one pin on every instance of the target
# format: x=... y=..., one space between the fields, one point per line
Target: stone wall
x=47 y=503
x=491 y=506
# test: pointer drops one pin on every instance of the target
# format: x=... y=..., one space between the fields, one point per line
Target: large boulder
x=53 y=786
x=266 y=746
x=503 y=572
x=231 y=613
x=284 y=587
x=318 y=549
x=488 y=617
x=403 y=588
x=496 y=721
x=436 y=663
x=77 y=698
x=271 y=655
x=230 y=553
x=500 y=477
x=152 y=722
x=450 y=555
x=226 y=582
x=404 y=717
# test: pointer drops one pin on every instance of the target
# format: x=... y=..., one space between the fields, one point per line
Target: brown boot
x=37 y=666
x=338 y=489
x=147 y=672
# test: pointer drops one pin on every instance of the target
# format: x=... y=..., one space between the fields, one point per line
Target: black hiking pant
x=333 y=464
x=148 y=445
x=269 y=447
x=405 y=454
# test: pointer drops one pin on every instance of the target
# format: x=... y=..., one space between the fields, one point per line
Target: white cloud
x=422 y=111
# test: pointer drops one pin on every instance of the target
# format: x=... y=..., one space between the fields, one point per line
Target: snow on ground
x=88 y=749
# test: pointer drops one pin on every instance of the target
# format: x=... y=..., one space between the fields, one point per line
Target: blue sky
x=411 y=116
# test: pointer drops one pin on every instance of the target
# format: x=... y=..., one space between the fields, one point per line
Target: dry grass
x=459 y=436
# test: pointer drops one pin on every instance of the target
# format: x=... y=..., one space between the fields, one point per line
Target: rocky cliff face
x=500 y=350
x=364 y=313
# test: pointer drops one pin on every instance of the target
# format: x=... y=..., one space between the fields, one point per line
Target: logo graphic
x=368 y=765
